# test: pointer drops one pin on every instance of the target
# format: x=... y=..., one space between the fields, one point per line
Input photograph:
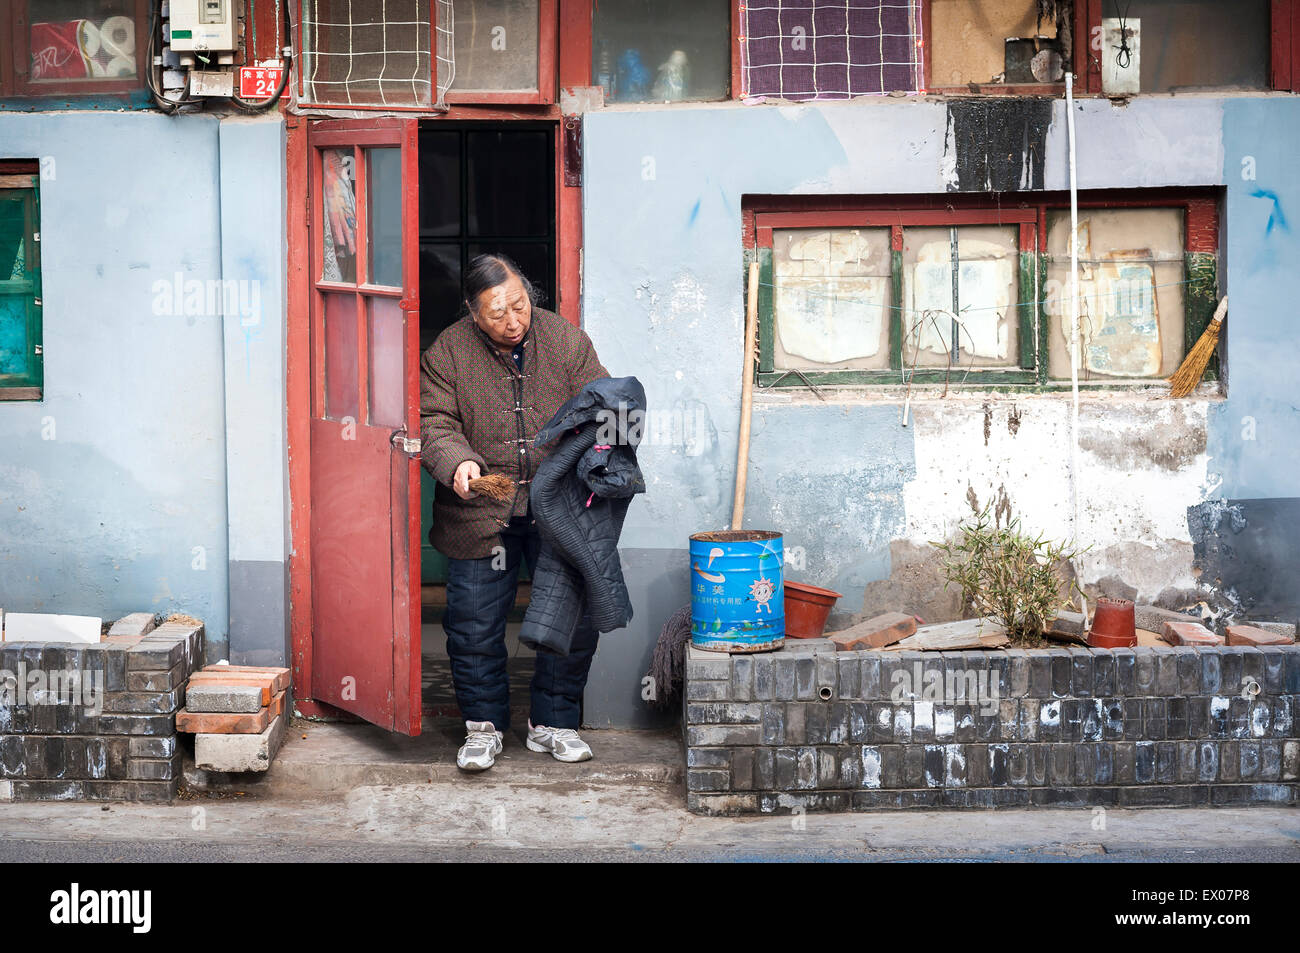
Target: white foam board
x=48 y=627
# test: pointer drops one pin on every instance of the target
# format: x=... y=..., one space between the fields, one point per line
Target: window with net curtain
x=411 y=53
x=812 y=49
x=367 y=54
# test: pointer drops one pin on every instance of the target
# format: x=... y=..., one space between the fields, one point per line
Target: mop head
x=494 y=485
x=669 y=662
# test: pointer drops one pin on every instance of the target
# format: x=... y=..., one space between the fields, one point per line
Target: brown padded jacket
x=476 y=405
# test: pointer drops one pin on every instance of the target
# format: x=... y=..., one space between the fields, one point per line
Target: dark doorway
x=484 y=187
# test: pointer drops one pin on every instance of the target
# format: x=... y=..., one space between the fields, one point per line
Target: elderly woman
x=488 y=384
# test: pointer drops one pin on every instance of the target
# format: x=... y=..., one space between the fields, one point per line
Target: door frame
x=298 y=357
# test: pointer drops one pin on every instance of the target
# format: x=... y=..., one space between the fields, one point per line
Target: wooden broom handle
x=746 y=398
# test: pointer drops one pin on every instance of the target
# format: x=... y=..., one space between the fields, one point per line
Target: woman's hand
x=464 y=473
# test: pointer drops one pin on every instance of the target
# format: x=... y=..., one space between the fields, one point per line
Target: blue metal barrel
x=737 y=595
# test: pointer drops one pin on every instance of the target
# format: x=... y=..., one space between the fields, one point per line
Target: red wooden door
x=365 y=486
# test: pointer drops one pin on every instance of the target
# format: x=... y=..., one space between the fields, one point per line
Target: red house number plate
x=259 y=82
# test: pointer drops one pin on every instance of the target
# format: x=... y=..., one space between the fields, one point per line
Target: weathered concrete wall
x=844 y=478
x=116 y=488
x=1247 y=534
x=253 y=256
x=114 y=485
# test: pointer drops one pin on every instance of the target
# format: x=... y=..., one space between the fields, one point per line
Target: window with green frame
x=943 y=290
x=21 y=374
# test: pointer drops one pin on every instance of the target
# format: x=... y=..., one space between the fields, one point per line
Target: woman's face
x=504 y=312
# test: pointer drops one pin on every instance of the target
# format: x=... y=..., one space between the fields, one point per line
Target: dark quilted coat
x=580 y=495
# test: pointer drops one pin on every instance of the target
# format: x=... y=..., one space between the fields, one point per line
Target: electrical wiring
x=1124 y=55
x=265 y=104
x=169 y=106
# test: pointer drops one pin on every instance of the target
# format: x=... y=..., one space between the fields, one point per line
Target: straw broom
x=496 y=486
x=1190 y=372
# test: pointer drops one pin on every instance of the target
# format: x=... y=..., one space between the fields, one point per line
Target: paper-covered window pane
x=831 y=298
x=661 y=50
x=1131 y=292
x=82 y=40
x=980 y=311
x=494 y=44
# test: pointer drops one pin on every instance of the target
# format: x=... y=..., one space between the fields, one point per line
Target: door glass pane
x=495 y=45
x=387 y=367
x=13 y=234
x=439 y=290
x=1131 y=292
x=367 y=53
x=82 y=39
x=832 y=297
x=510 y=182
x=339 y=215
x=439 y=184
x=16 y=286
x=384 y=213
x=662 y=50
x=14 y=347
x=341 y=388
x=986 y=313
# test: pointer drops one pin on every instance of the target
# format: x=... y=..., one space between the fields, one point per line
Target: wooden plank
x=983 y=633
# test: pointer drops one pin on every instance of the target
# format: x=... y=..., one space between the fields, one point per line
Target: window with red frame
x=1172 y=45
x=73 y=47
x=858 y=291
x=421 y=54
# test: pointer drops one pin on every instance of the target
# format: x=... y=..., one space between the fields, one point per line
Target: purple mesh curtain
x=815 y=49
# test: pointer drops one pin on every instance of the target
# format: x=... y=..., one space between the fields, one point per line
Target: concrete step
x=331 y=759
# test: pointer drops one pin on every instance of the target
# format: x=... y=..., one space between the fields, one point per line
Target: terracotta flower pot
x=1113 y=625
x=806 y=609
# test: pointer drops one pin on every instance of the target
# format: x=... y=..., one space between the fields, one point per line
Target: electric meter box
x=203 y=25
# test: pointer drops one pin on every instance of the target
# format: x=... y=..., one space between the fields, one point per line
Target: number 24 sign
x=259 y=82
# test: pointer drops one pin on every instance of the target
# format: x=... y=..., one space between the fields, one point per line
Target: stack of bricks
x=237 y=714
x=97 y=721
x=811 y=729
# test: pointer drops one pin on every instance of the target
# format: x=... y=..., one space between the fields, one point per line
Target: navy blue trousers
x=480 y=594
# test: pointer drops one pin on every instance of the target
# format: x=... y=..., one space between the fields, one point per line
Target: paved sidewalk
x=354 y=792
x=326 y=759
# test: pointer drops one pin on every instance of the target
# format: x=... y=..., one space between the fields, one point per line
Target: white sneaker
x=481 y=747
x=563 y=743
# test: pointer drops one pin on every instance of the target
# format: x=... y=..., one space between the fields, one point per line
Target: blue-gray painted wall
x=663 y=299
x=155 y=456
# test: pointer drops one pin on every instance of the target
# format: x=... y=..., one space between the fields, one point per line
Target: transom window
x=421 y=54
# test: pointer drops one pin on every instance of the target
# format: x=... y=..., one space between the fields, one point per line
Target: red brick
x=265 y=682
x=875 y=633
x=204 y=723
x=1249 y=635
x=282 y=676
x=276 y=708
x=1189 y=633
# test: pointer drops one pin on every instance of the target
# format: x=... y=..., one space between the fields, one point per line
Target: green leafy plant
x=1007 y=574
